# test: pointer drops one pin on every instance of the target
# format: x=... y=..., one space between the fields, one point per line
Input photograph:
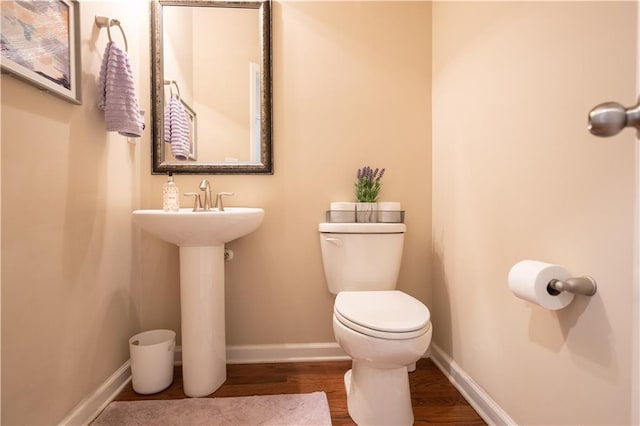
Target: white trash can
x=152 y=360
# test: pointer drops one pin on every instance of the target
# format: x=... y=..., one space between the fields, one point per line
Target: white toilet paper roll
x=389 y=211
x=343 y=212
x=528 y=280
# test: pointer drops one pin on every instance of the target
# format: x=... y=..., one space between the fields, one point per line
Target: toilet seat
x=392 y=315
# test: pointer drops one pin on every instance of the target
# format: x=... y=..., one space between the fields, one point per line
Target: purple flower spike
x=368 y=184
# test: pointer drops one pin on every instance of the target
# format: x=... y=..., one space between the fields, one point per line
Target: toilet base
x=378 y=396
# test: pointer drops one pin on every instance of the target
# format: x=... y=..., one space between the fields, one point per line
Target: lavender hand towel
x=117 y=94
x=176 y=129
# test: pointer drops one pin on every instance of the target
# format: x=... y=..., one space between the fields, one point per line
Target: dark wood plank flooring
x=435 y=400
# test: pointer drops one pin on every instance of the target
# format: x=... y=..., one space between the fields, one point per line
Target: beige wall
x=178 y=56
x=178 y=61
x=221 y=80
x=70 y=269
x=516 y=175
x=351 y=87
x=215 y=85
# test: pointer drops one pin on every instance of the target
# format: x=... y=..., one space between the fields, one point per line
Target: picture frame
x=41 y=45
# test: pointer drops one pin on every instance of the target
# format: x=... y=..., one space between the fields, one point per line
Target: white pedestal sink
x=201 y=237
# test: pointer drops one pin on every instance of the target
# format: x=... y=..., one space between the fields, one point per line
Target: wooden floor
x=435 y=400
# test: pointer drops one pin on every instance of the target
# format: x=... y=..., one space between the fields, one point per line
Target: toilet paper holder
x=585 y=285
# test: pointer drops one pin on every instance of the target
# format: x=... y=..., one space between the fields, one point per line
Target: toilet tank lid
x=363 y=228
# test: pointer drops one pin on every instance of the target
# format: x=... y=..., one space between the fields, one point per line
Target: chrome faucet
x=206 y=187
x=207 y=203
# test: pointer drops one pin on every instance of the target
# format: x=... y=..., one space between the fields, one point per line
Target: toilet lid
x=382 y=311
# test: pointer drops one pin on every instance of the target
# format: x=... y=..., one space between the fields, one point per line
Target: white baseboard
x=292 y=352
x=477 y=397
x=285 y=352
x=89 y=408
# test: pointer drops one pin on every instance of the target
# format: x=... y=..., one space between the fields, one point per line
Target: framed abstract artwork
x=41 y=44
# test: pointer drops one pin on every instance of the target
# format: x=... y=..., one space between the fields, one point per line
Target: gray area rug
x=291 y=409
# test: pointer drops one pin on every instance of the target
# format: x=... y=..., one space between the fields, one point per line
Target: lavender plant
x=368 y=184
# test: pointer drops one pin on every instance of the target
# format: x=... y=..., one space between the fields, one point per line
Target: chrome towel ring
x=105 y=22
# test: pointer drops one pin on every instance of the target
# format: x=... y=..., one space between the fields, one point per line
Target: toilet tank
x=361 y=256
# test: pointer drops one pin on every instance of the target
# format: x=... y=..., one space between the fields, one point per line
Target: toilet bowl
x=383 y=332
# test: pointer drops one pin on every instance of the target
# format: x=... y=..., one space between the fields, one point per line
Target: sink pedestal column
x=204 y=360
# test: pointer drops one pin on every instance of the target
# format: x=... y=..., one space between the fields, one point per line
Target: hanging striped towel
x=117 y=94
x=176 y=129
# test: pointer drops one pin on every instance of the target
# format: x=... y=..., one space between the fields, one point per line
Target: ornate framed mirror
x=211 y=87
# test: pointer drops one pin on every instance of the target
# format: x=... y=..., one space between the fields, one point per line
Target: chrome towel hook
x=609 y=118
x=105 y=22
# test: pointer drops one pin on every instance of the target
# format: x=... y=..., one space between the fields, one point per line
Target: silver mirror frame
x=157 y=84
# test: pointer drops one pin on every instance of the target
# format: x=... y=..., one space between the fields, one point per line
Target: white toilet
x=383 y=330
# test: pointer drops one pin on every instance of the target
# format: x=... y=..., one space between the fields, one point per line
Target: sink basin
x=201 y=237
x=187 y=228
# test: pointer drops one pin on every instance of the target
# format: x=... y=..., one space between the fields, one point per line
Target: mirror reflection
x=212 y=87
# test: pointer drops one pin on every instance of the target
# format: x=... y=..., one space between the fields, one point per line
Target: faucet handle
x=197 y=204
x=219 y=200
